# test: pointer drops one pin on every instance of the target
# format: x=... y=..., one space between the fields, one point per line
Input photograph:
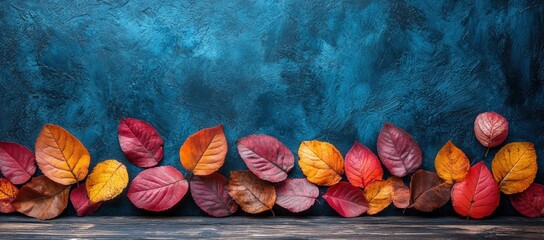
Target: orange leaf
x=362 y=166
x=42 y=198
x=378 y=196
x=250 y=192
x=203 y=153
x=451 y=163
x=514 y=167
x=401 y=192
x=61 y=156
x=321 y=162
x=8 y=192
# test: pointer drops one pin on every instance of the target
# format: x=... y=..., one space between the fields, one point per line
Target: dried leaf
x=399 y=152
x=204 y=152
x=491 y=129
x=42 y=198
x=140 y=142
x=82 y=204
x=8 y=193
x=253 y=194
x=296 y=195
x=17 y=163
x=321 y=162
x=378 y=195
x=451 y=163
x=211 y=195
x=428 y=191
x=61 y=156
x=514 y=167
x=362 y=166
x=478 y=195
x=107 y=180
x=346 y=199
x=266 y=157
x=401 y=193
x=157 y=189
x=529 y=203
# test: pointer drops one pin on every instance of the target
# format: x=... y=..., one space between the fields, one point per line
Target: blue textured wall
x=297 y=70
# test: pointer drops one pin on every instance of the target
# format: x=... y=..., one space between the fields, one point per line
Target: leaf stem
x=486 y=152
x=273 y=214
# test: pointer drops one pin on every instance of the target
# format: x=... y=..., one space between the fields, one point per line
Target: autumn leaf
x=61 y=156
x=451 y=163
x=157 y=189
x=42 y=198
x=428 y=191
x=266 y=157
x=399 y=152
x=477 y=196
x=8 y=193
x=491 y=129
x=204 y=152
x=296 y=195
x=321 y=162
x=378 y=195
x=529 y=203
x=81 y=202
x=401 y=193
x=211 y=195
x=514 y=167
x=140 y=142
x=107 y=180
x=346 y=199
x=253 y=194
x=362 y=166
x=17 y=163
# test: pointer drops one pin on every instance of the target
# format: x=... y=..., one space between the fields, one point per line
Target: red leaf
x=362 y=166
x=8 y=193
x=529 y=203
x=211 y=195
x=491 y=129
x=140 y=142
x=399 y=152
x=81 y=202
x=296 y=195
x=346 y=200
x=157 y=189
x=266 y=157
x=478 y=195
x=17 y=163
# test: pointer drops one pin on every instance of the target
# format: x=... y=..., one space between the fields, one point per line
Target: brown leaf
x=428 y=191
x=42 y=198
x=250 y=192
x=400 y=194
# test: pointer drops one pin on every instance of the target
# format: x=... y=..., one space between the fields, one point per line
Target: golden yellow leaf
x=203 y=153
x=60 y=156
x=378 y=195
x=321 y=162
x=514 y=167
x=451 y=163
x=107 y=180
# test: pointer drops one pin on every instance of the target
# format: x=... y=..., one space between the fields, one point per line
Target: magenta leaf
x=296 y=195
x=399 y=152
x=211 y=195
x=17 y=163
x=140 y=142
x=529 y=203
x=346 y=200
x=81 y=202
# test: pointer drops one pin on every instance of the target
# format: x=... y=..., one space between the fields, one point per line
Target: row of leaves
x=474 y=190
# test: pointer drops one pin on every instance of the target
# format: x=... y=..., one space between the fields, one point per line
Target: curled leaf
x=81 y=202
x=401 y=193
x=140 y=142
x=8 y=193
x=477 y=196
x=204 y=152
x=253 y=194
x=17 y=163
x=60 y=156
x=514 y=167
x=529 y=203
x=211 y=195
x=107 y=180
x=378 y=195
x=399 y=152
x=451 y=163
x=296 y=195
x=427 y=191
x=362 y=166
x=346 y=199
x=321 y=162
x=42 y=198
x=491 y=129
x=266 y=157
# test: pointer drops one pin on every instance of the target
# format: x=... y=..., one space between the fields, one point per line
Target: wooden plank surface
x=273 y=228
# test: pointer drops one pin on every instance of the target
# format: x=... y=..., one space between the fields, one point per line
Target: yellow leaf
x=203 y=153
x=514 y=167
x=60 y=156
x=451 y=163
x=321 y=162
x=378 y=195
x=108 y=179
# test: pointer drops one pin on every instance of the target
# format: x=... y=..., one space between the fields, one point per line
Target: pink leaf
x=346 y=200
x=211 y=195
x=491 y=129
x=17 y=163
x=529 y=203
x=81 y=202
x=362 y=166
x=399 y=152
x=140 y=142
x=296 y=195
